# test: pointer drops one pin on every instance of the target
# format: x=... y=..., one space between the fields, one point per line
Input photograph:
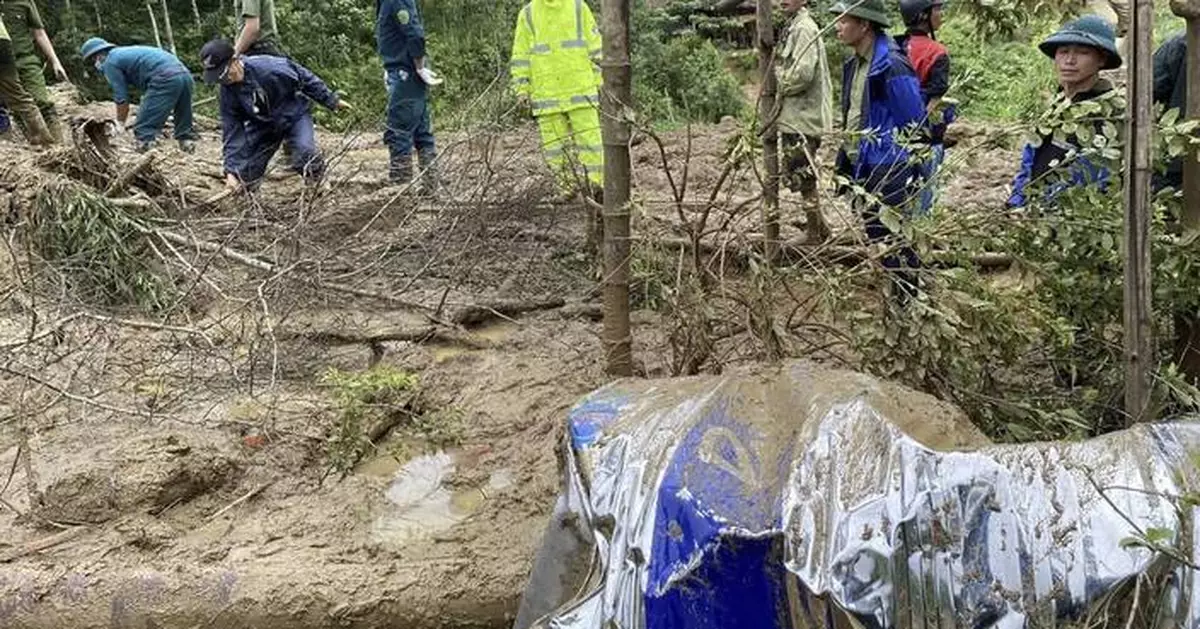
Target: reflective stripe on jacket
x=556 y=55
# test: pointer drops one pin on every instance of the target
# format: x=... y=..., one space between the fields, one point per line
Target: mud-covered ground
x=170 y=468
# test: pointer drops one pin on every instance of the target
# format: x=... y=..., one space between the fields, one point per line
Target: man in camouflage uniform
x=28 y=34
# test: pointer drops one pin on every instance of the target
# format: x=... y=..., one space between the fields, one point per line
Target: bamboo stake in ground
x=615 y=99
x=770 y=140
x=1139 y=349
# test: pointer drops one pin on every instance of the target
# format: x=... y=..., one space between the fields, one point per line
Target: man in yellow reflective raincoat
x=555 y=66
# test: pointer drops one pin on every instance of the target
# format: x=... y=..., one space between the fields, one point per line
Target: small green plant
x=365 y=401
x=100 y=248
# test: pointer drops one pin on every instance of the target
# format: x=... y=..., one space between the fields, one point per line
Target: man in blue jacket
x=1080 y=50
x=164 y=82
x=401 y=41
x=263 y=104
x=882 y=112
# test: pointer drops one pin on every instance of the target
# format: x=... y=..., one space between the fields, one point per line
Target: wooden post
x=1187 y=324
x=154 y=24
x=616 y=99
x=1139 y=350
x=767 y=130
x=167 y=27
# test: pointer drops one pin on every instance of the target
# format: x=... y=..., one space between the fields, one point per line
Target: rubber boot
x=431 y=181
x=36 y=131
x=400 y=169
x=55 y=126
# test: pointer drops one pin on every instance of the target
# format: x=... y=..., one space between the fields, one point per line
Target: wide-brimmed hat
x=1089 y=30
x=214 y=56
x=869 y=10
x=94 y=46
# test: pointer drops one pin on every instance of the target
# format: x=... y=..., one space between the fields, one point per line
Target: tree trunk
x=99 y=19
x=1139 y=352
x=167 y=27
x=615 y=100
x=154 y=24
x=767 y=130
x=196 y=15
x=1187 y=322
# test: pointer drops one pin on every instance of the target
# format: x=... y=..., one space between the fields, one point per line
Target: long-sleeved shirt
x=268 y=98
x=399 y=35
x=135 y=66
x=805 y=87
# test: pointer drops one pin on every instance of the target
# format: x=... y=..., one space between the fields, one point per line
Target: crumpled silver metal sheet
x=861 y=504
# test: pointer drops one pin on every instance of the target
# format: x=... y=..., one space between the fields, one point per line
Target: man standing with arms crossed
x=805 y=110
x=28 y=36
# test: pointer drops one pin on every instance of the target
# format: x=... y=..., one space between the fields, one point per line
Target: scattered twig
x=246 y=496
x=43 y=544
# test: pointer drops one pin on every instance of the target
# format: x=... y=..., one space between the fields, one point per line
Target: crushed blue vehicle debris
x=806 y=498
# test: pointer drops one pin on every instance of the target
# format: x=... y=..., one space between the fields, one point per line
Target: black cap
x=215 y=55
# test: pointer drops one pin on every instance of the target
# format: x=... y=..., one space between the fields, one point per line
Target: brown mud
x=171 y=470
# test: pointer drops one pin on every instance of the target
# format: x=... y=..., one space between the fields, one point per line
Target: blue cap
x=1089 y=30
x=94 y=46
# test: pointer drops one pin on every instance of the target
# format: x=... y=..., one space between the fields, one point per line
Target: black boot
x=431 y=180
x=400 y=169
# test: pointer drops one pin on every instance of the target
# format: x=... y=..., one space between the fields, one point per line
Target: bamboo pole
x=1139 y=352
x=768 y=132
x=615 y=99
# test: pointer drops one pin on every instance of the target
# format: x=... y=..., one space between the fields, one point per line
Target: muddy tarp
x=813 y=498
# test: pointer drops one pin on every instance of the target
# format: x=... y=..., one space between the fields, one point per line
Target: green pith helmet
x=1089 y=30
x=869 y=10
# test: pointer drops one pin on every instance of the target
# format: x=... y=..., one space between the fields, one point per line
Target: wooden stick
x=126 y=177
x=43 y=544
x=248 y=495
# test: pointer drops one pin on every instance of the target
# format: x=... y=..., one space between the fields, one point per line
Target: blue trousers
x=929 y=169
x=164 y=96
x=894 y=185
x=408 y=122
x=263 y=141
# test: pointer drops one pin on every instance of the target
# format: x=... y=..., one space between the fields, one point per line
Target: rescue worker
x=931 y=62
x=257 y=34
x=400 y=38
x=28 y=37
x=164 y=82
x=805 y=108
x=882 y=112
x=17 y=97
x=1170 y=89
x=1080 y=50
x=262 y=103
x=555 y=70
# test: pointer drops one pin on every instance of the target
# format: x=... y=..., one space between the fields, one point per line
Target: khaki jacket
x=805 y=88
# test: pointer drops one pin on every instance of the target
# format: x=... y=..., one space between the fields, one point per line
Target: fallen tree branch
x=67 y=394
x=478 y=313
x=122 y=181
x=800 y=251
x=412 y=335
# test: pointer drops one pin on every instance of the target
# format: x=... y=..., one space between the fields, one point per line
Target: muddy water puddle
x=495 y=331
x=419 y=503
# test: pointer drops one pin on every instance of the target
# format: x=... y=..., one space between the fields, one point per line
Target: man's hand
x=60 y=73
x=232 y=182
x=343 y=104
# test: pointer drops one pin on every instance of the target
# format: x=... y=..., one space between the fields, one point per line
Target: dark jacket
x=399 y=35
x=270 y=98
x=931 y=61
x=1036 y=161
x=1170 y=89
x=892 y=104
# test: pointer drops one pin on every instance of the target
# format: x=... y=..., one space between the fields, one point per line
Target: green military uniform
x=23 y=19
x=268 y=34
x=16 y=96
